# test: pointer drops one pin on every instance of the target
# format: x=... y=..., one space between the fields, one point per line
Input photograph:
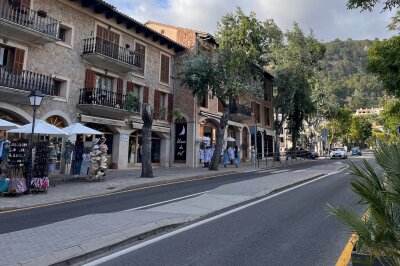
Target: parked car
x=301 y=152
x=338 y=153
x=356 y=151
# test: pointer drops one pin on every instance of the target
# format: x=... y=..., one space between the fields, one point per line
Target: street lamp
x=35 y=99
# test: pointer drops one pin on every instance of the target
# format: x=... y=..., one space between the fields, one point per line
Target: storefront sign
x=180 y=143
x=124 y=138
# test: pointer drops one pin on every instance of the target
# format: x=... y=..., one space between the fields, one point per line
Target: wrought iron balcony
x=27 y=25
x=24 y=80
x=110 y=56
x=106 y=103
x=239 y=112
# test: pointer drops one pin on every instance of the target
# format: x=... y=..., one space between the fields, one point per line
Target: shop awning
x=102 y=121
x=136 y=125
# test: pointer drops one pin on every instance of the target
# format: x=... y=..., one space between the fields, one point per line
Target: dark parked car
x=356 y=151
x=301 y=152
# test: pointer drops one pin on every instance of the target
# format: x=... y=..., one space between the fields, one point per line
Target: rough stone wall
x=54 y=59
x=186 y=37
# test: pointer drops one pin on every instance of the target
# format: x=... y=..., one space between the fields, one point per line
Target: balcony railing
x=107 y=98
x=26 y=80
x=239 y=109
x=112 y=50
x=35 y=20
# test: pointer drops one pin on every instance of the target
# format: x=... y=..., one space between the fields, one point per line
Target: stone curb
x=105 y=243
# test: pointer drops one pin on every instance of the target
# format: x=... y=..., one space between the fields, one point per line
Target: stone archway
x=14 y=114
x=208 y=128
x=56 y=118
x=57 y=121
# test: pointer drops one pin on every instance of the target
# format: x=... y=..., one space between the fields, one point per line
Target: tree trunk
x=147 y=116
x=277 y=157
x=220 y=138
x=294 y=145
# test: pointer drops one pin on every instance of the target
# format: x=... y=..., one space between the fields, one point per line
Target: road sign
x=324 y=132
x=398 y=130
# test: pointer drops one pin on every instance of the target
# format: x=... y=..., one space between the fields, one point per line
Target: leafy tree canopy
x=245 y=32
x=361 y=130
x=384 y=61
x=370 y=4
x=391 y=119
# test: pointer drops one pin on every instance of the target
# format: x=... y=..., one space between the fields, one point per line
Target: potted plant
x=378 y=232
x=163 y=113
x=42 y=13
x=131 y=102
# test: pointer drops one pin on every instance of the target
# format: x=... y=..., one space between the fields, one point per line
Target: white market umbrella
x=41 y=127
x=78 y=128
x=6 y=125
x=205 y=138
x=230 y=139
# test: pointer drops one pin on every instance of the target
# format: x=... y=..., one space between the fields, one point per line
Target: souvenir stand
x=12 y=162
x=82 y=160
x=43 y=150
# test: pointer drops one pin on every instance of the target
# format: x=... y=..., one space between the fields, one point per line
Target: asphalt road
x=293 y=228
x=30 y=218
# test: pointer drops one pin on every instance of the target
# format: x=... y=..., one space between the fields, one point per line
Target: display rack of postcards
x=15 y=167
x=40 y=179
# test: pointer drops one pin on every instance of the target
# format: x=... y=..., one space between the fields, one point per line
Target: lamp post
x=35 y=99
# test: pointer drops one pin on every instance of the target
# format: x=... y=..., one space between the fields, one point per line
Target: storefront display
x=13 y=170
x=40 y=181
x=98 y=161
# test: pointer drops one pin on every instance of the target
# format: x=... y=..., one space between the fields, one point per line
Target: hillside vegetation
x=343 y=78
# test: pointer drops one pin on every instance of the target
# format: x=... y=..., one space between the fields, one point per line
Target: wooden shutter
x=220 y=106
x=146 y=95
x=26 y=3
x=170 y=107
x=141 y=51
x=18 y=61
x=129 y=87
x=90 y=81
x=164 y=69
x=120 y=88
x=157 y=104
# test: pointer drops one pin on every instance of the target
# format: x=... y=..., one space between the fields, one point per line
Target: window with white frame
x=61 y=85
x=65 y=34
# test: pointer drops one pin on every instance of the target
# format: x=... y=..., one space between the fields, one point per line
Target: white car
x=338 y=153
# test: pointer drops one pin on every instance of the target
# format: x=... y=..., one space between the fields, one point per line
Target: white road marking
x=159 y=238
x=167 y=201
x=301 y=170
x=250 y=171
x=279 y=171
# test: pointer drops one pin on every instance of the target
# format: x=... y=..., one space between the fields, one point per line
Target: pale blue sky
x=328 y=18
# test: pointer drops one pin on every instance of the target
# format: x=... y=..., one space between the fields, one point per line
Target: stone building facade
x=96 y=66
x=251 y=120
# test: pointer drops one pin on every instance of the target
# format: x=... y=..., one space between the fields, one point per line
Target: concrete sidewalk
x=117 y=180
x=79 y=238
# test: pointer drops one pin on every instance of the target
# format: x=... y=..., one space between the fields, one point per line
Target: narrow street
x=24 y=219
x=292 y=228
